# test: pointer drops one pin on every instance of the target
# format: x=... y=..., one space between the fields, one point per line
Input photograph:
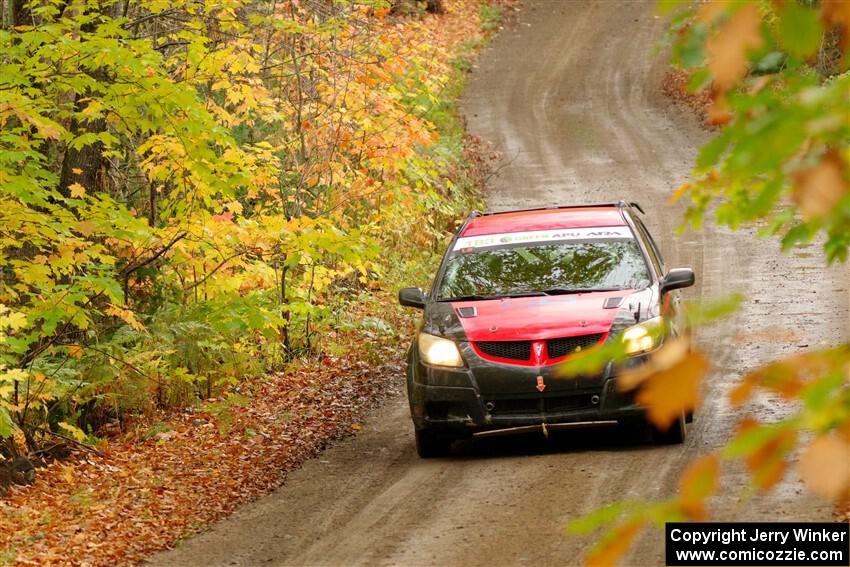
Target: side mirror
x=677 y=278
x=411 y=297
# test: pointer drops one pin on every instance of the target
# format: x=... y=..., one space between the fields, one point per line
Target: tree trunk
x=21 y=15
x=435 y=6
x=82 y=165
x=286 y=313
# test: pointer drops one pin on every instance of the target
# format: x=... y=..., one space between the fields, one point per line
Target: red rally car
x=519 y=292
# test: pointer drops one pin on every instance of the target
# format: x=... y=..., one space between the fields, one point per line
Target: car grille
x=530 y=406
x=569 y=345
x=513 y=350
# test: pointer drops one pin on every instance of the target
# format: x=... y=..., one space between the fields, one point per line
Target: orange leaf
x=743 y=391
x=669 y=381
x=699 y=481
x=66 y=472
x=787 y=376
x=708 y=11
x=679 y=192
x=819 y=189
x=125 y=315
x=835 y=13
x=718 y=110
x=825 y=467
x=766 y=462
x=382 y=13
x=727 y=50
x=614 y=546
x=74 y=351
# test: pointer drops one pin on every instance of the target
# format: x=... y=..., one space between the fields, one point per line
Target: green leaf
x=690 y=52
x=710 y=153
x=603 y=516
x=800 y=30
x=770 y=63
x=747 y=442
x=7 y=426
x=75 y=432
x=703 y=312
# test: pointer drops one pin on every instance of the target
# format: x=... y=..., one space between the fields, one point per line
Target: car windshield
x=550 y=268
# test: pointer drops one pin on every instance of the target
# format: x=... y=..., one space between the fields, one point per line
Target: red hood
x=539 y=318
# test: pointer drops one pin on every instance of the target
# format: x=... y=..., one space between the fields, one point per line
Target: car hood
x=539 y=318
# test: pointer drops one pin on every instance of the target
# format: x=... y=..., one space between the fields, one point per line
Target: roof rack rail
x=619 y=204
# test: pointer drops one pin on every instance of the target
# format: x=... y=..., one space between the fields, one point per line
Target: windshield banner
x=510 y=238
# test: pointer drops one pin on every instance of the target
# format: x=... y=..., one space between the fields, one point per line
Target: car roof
x=545 y=219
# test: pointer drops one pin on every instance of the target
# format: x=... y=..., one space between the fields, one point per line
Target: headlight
x=438 y=351
x=644 y=337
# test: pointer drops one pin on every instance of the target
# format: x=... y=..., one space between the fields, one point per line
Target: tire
x=674 y=435
x=431 y=444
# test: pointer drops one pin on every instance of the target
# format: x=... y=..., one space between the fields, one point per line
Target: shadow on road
x=620 y=438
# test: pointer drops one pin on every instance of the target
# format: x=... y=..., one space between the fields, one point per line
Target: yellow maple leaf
x=234 y=207
x=76 y=190
x=125 y=315
x=73 y=430
x=86 y=228
x=14 y=320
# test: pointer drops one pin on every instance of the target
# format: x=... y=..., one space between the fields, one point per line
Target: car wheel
x=673 y=435
x=431 y=444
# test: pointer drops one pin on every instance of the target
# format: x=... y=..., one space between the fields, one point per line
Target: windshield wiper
x=472 y=297
x=551 y=291
x=523 y=294
x=496 y=296
x=569 y=291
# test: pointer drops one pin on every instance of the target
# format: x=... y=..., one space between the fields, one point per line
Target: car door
x=671 y=308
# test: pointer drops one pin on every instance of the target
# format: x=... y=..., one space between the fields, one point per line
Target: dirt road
x=570 y=93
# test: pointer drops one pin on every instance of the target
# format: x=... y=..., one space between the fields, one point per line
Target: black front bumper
x=488 y=395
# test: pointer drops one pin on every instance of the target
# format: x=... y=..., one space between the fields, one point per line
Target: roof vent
x=612 y=302
x=467 y=312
